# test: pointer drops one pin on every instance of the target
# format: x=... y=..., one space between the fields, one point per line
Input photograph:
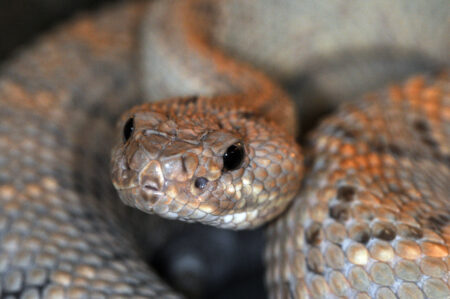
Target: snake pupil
x=128 y=129
x=233 y=157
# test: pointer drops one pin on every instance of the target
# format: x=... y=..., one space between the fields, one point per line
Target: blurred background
x=22 y=20
x=199 y=261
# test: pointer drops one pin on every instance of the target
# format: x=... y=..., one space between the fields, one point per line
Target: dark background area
x=22 y=20
x=201 y=261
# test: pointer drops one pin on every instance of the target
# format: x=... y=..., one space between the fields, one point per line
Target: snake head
x=195 y=161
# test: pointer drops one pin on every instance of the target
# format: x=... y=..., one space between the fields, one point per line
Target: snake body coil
x=369 y=219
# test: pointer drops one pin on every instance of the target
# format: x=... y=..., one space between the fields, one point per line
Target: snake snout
x=151 y=180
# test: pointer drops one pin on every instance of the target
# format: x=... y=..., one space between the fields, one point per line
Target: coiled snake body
x=371 y=216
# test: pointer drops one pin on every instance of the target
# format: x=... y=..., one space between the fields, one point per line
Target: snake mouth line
x=152 y=195
x=121 y=188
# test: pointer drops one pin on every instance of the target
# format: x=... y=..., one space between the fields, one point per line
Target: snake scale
x=370 y=218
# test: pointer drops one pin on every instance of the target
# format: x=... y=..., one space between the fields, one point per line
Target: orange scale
x=414 y=194
x=445 y=113
x=361 y=161
x=388 y=160
x=446 y=234
x=374 y=159
x=348 y=164
x=226 y=205
x=396 y=94
x=431 y=108
x=414 y=85
x=348 y=150
x=367 y=198
x=326 y=194
x=433 y=94
x=360 y=116
x=377 y=124
x=385 y=213
x=336 y=176
x=411 y=208
x=415 y=103
x=362 y=147
x=375 y=171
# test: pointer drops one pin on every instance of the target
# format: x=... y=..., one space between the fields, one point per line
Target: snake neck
x=178 y=40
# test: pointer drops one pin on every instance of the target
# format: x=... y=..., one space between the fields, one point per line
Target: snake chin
x=145 y=202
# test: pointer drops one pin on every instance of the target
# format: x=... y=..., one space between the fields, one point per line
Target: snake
x=360 y=211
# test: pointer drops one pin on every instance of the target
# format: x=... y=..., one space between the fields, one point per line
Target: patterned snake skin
x=371 y=218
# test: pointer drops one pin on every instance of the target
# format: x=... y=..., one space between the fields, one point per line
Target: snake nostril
x=151 y=186
x=200 y=183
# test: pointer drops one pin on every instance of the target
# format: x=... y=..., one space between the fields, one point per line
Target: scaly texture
x=328 y=51
x=173 y=165
x=372 y=219
x=59 y=235
x=60 y=229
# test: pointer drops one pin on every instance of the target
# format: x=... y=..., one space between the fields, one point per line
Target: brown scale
x=58 y=234
x=375 y=240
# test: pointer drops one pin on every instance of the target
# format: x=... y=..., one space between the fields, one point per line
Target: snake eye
x=233 y=157
x=128 y=129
